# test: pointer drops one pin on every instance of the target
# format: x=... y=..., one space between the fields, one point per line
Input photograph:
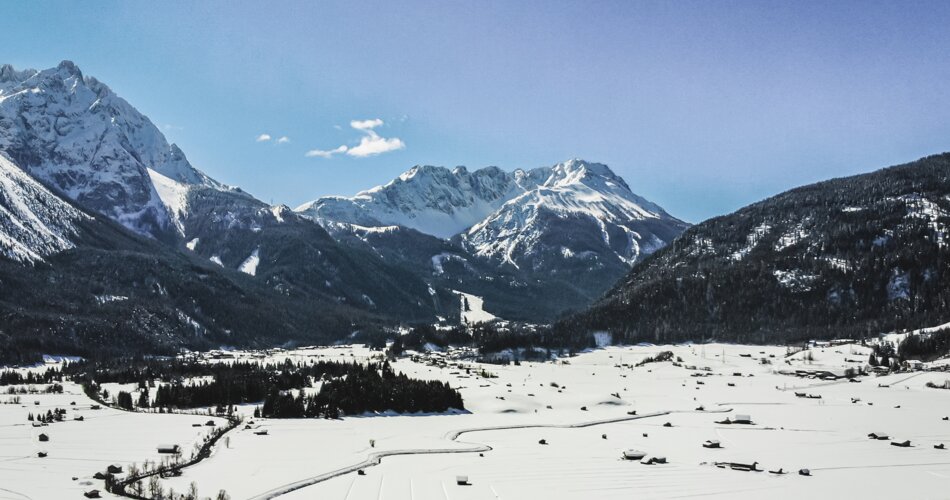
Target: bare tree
x=155 y=488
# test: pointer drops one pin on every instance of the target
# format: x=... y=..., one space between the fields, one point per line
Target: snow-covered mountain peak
x=577 y=171
x=559 y=205
x=65 y=72
x=69 y=67
x=75 y=134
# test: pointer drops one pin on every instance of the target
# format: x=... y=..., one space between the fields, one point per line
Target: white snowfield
x=249 y=266
x=580 y=406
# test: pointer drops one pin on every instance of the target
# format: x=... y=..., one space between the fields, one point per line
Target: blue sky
x=702 y=107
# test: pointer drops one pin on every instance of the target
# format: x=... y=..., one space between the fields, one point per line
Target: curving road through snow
x=376 y=457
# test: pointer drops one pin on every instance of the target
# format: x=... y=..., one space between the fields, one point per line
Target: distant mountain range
x=558 y=236
x=842 y=258
x=94 y=198
x=110 y=240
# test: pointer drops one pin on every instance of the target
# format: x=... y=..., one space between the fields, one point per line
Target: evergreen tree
x=124 y=400
x=143 y=398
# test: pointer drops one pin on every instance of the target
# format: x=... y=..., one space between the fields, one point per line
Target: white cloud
x=319 y=153
x=371 y=143
x=366 y=124
x=263 y=138
x=283 y=140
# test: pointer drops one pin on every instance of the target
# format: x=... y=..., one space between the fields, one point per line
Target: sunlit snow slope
x=34 y=222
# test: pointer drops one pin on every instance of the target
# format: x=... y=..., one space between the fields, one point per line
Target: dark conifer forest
x=345 y=388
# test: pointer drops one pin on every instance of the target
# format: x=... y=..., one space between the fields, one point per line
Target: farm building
x=169 y=448
x=634 y=454
x=742 y=419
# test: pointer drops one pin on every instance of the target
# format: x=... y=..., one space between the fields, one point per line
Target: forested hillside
x=845 y=257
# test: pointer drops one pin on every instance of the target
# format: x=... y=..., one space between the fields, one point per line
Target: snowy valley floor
x=317 y=459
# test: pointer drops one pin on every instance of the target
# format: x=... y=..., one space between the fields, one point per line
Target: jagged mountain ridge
x=431 y=200
x=500 y=214
x=839 y=258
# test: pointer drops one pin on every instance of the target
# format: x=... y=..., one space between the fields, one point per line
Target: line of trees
x=170 y=370
x=347 y=388
x=926 y=347
x=12 y=377
x=365 y=388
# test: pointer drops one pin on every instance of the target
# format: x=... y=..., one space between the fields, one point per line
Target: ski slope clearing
x=582 y=407
x=473 y=309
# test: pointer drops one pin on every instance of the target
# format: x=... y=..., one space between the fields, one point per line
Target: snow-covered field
x=79 y=449
x=497 y=445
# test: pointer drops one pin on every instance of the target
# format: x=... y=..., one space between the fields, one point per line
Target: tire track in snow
x=17 y=493
x=377 y=457
x=879 y=466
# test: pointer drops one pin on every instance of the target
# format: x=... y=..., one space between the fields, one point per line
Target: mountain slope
x=292 y=254
x=844 y=257
x=78 y=283
x=509 y=293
